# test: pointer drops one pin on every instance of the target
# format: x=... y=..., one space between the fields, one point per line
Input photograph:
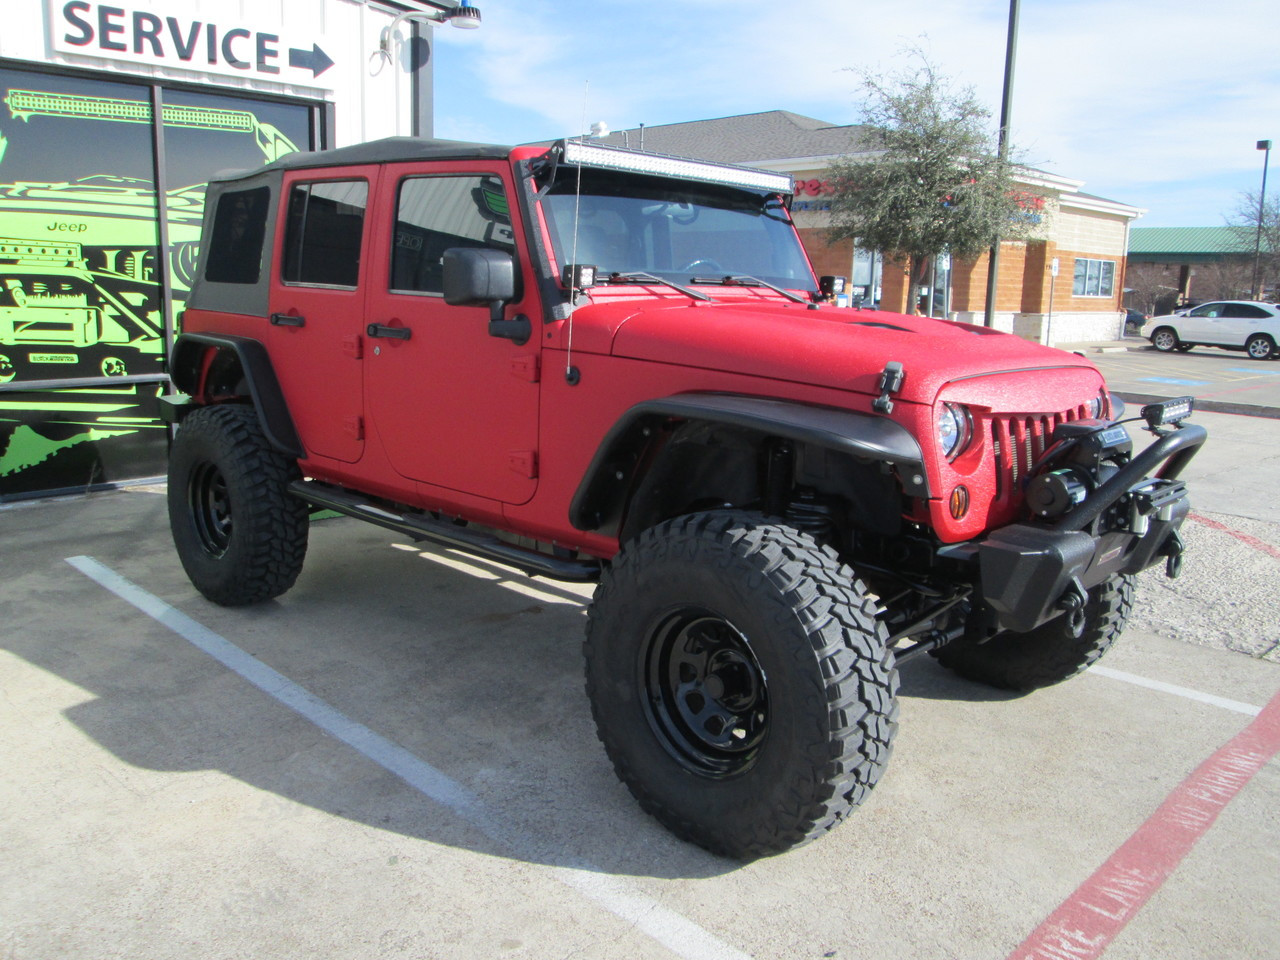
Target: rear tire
x=241 y=536
x=740 y=682
x=1048 y=654
x=1260 y=347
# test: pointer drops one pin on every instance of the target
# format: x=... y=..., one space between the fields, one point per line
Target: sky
x=1158 y=104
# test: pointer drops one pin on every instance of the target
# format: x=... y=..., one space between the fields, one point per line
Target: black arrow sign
x=315 y=59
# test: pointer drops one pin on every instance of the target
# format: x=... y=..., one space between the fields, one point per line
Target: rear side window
x=1245 y=311
x=434 y=214
x=239 y=225
x=323 y=236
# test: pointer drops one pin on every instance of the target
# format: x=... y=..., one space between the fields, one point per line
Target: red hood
x=829 y=347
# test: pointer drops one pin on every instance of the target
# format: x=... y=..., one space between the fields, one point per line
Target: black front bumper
x=1032 y=572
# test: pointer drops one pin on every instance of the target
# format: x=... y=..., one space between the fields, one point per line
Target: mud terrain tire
x=240 y=535
x=740 y=682
x=1048 y=654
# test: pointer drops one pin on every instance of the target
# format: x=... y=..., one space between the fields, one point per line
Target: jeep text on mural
x=85 y=27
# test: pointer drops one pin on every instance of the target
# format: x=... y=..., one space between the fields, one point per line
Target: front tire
x=241 y=536
x=1048 y=654
x=740 y=682
x=1164 y=339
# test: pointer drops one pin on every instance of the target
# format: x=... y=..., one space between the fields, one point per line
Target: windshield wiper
x=742 y=280
x=650 y=278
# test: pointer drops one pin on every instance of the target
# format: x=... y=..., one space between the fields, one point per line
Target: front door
x=452 y=406
x=317 y=307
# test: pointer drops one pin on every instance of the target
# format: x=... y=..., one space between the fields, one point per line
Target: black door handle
x=382 y=330
x=287 y=320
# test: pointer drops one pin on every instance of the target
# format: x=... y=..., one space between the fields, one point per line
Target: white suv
x=1248 y=325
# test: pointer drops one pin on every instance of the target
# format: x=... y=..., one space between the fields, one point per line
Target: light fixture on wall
x=463 y=15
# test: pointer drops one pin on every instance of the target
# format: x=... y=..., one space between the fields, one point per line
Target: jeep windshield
x=680 y=231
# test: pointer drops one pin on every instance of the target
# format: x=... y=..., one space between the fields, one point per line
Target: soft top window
x=239 y=226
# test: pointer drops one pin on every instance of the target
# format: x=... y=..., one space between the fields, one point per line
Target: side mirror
x=477 y=277
x=480 y=277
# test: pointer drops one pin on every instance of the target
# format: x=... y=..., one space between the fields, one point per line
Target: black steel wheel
x=241 y=536
x=1051 y=652
x=706 y=697
x=740 y=682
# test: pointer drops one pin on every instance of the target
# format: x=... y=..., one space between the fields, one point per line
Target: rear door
x=317 y=306
x=452 y=405
x=1243 y=320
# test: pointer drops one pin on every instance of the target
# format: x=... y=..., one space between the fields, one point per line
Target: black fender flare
x=264 y=387
x=601 y=494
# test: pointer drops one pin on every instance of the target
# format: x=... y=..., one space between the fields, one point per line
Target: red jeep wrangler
x=598 y=364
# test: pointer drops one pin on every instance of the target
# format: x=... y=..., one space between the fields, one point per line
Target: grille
x=1019 y=441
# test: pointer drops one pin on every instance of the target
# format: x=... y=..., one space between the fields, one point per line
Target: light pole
x=1006 y=103
x=1265 y=146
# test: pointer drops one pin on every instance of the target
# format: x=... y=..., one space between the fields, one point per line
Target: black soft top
x=386 y=150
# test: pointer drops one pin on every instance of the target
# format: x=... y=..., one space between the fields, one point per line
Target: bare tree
x=1259 y=227
x=1153 y=289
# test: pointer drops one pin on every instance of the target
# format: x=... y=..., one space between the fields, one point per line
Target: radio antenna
x=571 y=375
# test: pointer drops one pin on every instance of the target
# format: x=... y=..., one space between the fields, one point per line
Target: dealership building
x=113 y=116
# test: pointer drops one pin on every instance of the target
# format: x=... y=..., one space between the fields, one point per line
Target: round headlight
x=1097 y=407
x=955 y=427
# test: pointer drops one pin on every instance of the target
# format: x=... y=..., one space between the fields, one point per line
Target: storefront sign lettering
x=124 y=33
x=814 y=188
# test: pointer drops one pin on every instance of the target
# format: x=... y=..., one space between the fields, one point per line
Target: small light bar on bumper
x=616 y=158
x=1168 y=411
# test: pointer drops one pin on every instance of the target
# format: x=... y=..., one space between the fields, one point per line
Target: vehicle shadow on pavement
x=927 y=679
x=481 y=681
x=473 y=669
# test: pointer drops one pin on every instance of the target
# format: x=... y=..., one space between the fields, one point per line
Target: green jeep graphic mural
x=81 y=298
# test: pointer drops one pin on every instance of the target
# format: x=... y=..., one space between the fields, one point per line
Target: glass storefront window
x=81 y=297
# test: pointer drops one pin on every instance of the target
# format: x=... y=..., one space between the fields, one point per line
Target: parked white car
x=1248 y=325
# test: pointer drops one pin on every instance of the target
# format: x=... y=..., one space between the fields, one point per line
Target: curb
x=1208 y=406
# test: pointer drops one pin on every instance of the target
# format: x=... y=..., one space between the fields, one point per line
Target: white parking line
x=677 y=933
x=1246 y=708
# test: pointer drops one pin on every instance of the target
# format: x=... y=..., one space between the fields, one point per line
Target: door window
x=435 y=214
x=1208 y=310
x=324 y=231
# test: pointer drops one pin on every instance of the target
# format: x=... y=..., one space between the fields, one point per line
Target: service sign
x=172 y=36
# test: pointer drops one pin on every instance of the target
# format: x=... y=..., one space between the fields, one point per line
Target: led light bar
x=616 y=158
x=1168 y=411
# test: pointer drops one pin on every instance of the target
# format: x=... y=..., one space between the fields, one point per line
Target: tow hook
x=1072 y=603
x=1173 y=549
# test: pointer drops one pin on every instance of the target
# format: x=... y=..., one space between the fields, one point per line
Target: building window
x=1094 y=278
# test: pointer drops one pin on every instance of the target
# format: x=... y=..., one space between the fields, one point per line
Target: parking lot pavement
x=1222 y=381
x=397 y=758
